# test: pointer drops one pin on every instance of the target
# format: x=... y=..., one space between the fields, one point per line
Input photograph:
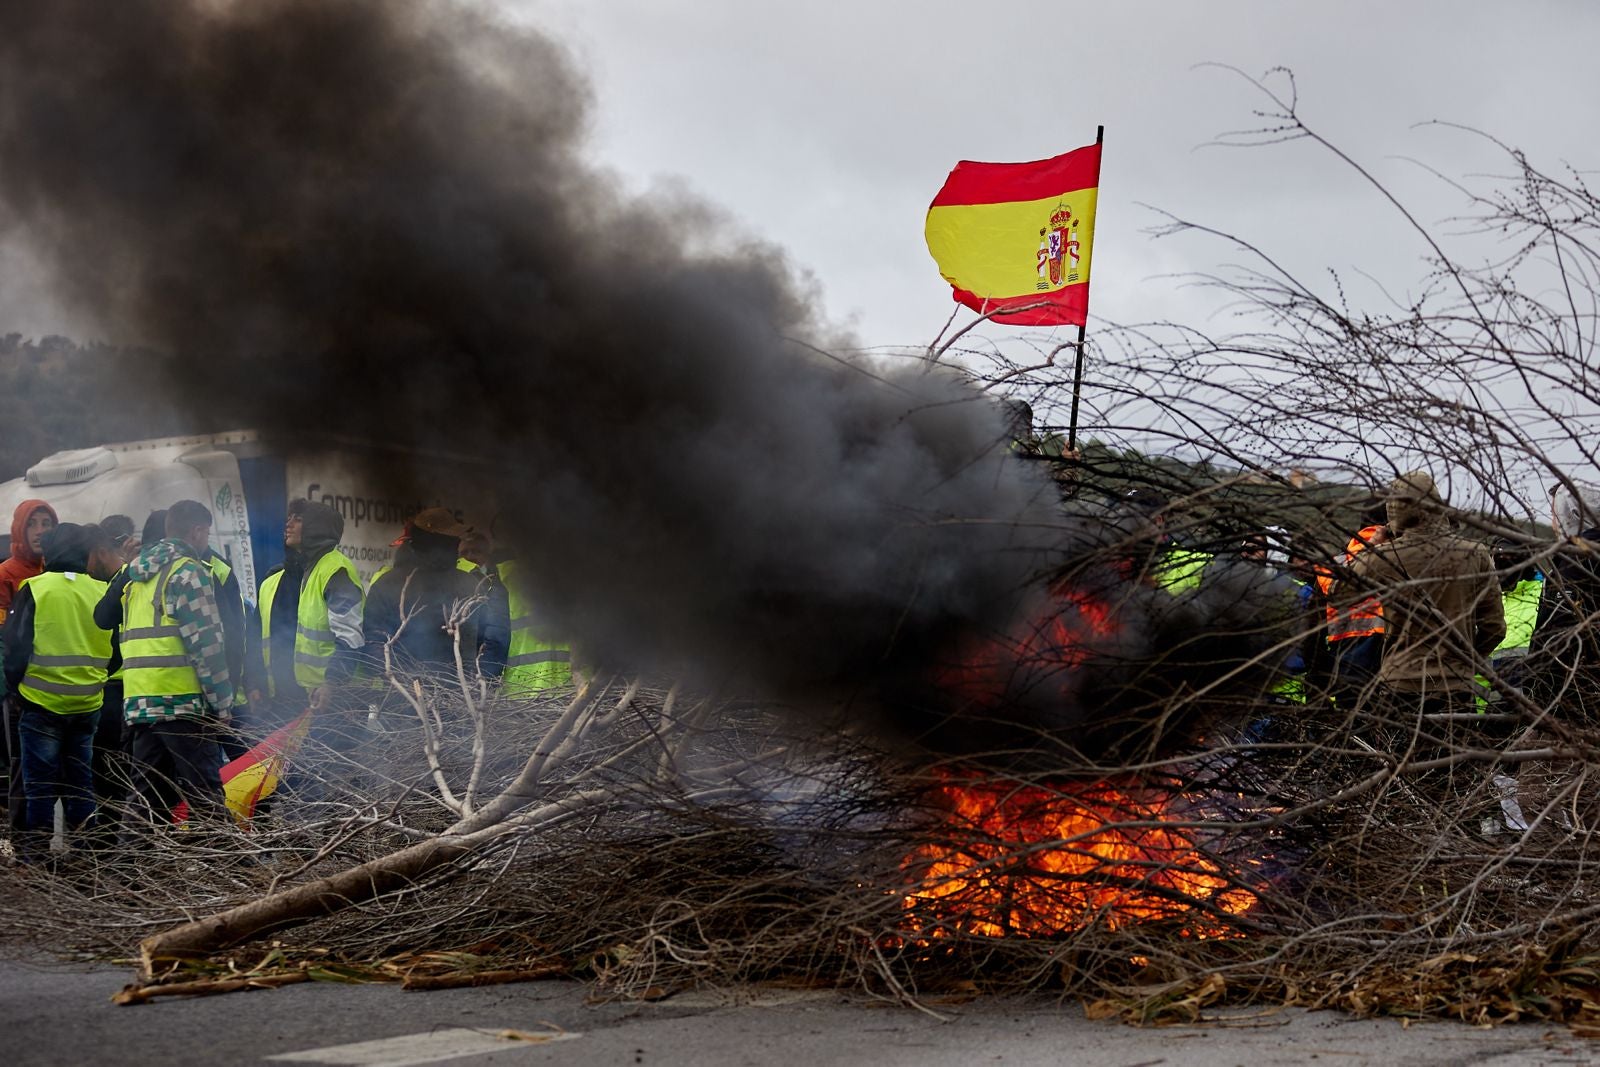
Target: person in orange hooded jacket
x=31 y=521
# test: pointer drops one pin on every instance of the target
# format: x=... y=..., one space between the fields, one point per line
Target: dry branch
x=210 y=987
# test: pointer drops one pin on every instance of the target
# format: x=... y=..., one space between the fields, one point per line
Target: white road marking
x=412 y=1050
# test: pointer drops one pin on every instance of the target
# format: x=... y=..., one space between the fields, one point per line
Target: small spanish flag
x=1017 y=236
x=253 y=776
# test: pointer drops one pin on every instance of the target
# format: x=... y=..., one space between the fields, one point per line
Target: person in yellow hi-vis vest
x=535 y=659
x=311 y=638
x=56 y=663
x=1156 y=559
x=177 y=692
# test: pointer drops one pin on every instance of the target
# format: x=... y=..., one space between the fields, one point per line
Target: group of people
x=1417 y=610
x=1432 y=641
x=134 y=667
x=1420 y=613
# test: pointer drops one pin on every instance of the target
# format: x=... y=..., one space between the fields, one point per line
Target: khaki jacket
x=1441 y=606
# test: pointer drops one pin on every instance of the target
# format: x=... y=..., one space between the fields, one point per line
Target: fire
x=1029 y=861
x=1039 y=653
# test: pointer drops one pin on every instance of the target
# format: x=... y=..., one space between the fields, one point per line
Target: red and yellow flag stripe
x=1017 y=237
x=253 y=777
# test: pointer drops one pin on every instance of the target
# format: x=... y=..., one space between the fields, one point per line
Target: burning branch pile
x=1008 y=719
x=1041 y=862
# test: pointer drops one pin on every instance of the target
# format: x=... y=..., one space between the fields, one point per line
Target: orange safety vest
x=1366 y=618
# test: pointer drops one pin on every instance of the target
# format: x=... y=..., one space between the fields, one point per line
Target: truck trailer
x=248 y=487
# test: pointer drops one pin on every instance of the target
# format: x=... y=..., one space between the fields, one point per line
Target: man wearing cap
x=410 y=609
x=311 y=636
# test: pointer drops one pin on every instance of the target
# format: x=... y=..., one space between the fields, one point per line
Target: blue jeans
x=57 y=764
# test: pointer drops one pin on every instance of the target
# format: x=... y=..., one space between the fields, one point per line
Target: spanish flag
x=1018 y=235
x=253 y=776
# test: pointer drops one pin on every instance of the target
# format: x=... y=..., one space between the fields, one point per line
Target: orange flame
x=1028 y=861
x=1039 y=651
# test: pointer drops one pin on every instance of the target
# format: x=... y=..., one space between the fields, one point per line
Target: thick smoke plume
x=374 y=220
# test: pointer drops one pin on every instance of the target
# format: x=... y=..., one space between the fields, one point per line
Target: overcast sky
x=827 y=127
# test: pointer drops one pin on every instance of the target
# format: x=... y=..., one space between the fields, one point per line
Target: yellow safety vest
x=1521 y=604
x=314 y=643
x=532 y=663
x=67 y=669
x=1179 y=570
x=155 y=662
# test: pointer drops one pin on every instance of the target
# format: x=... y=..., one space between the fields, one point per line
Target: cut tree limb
x=394 y=872
x=297 y=904
x=391 y=873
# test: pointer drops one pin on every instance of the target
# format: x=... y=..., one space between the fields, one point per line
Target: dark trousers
x=180 y=758
x=111 y=772
x=1354 y=667
x=57 y=764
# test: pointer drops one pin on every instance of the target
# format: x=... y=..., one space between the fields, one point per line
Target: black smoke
x=375 y=220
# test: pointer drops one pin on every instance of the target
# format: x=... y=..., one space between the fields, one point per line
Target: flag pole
x=1077 y=370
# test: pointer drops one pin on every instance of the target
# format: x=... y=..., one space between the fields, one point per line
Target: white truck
x=248 y=488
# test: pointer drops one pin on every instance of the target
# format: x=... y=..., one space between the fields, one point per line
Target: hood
x=151 y=558
x=320 y=528
x=19 y=526
x=1575 y=513
x=1414 y=501
x=66 y=548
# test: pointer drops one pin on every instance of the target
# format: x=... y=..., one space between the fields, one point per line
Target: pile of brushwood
x=1182 y=834
x=648 y=841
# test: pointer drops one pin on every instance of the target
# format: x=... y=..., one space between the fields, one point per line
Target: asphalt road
x=59 y=1014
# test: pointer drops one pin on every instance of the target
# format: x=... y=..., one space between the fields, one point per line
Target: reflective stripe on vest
x=1359 y=625
x=67 y=668
x=1365 y=618
x=544 y=655
x=314 y=642
x=154 y=660
x=531 y=664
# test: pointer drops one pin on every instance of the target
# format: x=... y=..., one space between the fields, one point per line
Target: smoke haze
x=375 y=219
